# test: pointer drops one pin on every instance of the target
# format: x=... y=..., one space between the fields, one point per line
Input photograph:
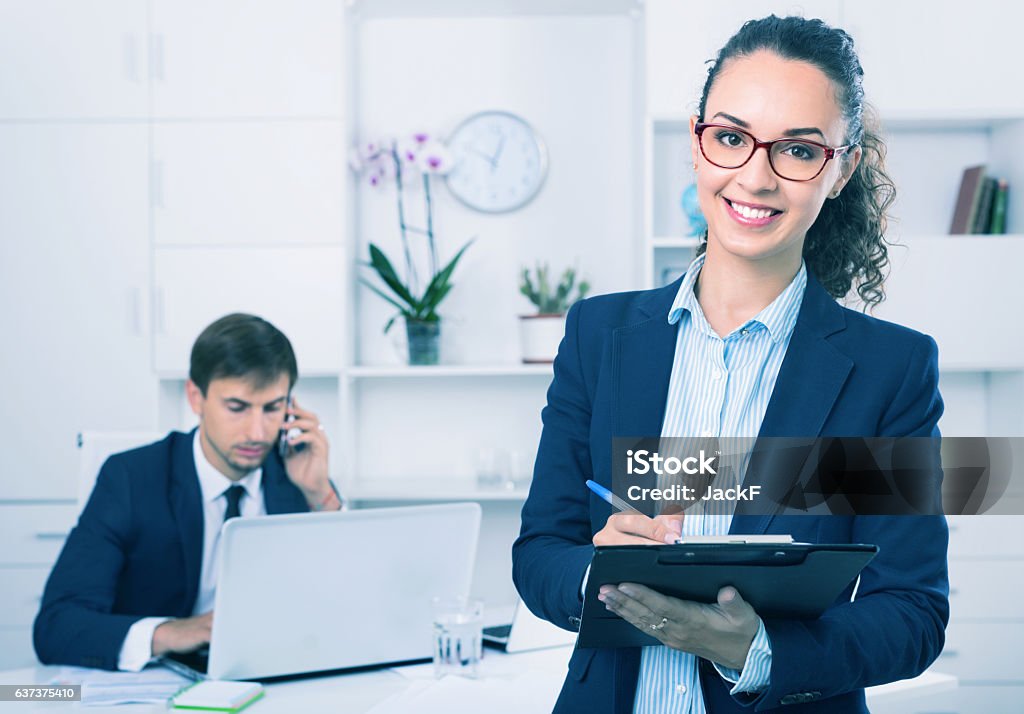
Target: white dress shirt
x=137 y=650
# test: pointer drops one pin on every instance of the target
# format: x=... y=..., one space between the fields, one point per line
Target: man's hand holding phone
x=305 y=457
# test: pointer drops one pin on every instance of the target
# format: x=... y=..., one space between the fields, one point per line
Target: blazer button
x=575 y=623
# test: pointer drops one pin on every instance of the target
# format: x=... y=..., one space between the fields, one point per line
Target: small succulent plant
x=552 y=300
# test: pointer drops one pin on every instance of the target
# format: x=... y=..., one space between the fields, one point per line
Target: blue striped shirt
x=718 y=388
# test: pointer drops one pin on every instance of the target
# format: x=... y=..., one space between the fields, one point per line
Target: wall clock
x=500 y=162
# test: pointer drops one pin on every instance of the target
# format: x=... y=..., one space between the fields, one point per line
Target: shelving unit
x=667 y=170
x=443 y=371
x=396 y=490
x=417 y=433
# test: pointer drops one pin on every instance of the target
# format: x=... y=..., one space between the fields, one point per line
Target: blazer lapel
x=812 y=375
x=642 y=354
x=187 y=507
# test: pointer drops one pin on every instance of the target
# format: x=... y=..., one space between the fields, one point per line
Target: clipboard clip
x=737 y=555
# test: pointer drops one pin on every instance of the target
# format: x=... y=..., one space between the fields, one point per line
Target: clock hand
x=497 y=153
x=481 y=154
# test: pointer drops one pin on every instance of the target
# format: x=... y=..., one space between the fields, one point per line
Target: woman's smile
x=754 y=215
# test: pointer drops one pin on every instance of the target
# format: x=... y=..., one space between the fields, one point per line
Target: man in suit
x=137 y=575
x=844 y=374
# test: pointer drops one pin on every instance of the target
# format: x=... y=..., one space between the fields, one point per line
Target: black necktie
x=234 y=497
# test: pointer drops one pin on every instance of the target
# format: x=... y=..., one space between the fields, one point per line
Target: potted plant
x=540 y=333
x=416 y=298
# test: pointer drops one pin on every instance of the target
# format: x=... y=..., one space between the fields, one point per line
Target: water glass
x=458 y=636
x=491 y=467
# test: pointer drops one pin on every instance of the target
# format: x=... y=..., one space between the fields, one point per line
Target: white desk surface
x=521 y=683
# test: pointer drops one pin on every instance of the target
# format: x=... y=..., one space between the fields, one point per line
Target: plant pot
x=424 y=341
x=539 y=337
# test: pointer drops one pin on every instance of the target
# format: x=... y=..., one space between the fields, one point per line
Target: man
x=137 y=575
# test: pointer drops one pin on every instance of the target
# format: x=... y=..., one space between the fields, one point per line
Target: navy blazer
x=136 y=551
x=844 y=374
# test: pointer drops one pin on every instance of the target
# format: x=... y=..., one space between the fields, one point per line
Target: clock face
x=500 y=162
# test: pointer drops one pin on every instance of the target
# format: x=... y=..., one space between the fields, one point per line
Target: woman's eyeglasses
x=728 y=147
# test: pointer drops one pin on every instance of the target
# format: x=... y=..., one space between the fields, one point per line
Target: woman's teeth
x=748 y=212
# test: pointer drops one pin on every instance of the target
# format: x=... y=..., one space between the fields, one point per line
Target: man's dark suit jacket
x=844 y=374
x=136 y=551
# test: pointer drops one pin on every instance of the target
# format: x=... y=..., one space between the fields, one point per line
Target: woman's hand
x=638 y=529
x=721 y=632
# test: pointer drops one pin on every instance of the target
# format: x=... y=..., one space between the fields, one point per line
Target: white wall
x=572 y=78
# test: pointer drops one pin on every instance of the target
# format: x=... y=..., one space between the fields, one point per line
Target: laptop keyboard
x=498 y=630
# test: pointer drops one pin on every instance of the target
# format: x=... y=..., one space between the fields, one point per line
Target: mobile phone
x=285 y=433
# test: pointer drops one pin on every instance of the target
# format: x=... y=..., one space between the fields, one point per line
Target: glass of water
x=491 y=467
x=458 y=635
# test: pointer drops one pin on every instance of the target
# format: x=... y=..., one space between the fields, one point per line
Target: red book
x=967 y=202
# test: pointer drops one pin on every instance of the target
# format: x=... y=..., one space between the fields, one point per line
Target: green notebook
x=218 y=696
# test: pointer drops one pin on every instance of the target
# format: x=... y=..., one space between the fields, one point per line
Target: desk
x=522 y=683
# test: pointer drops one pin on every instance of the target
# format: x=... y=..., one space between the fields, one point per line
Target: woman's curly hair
x=846 y=244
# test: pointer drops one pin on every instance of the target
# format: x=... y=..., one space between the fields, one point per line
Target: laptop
x=319 y=592
x=527 y=632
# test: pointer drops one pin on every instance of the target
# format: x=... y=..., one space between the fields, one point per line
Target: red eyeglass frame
x=830 y=151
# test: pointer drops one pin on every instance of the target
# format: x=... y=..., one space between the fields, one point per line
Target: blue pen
x=611 y=498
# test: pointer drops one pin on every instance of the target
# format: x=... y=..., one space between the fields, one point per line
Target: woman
x=750 y=342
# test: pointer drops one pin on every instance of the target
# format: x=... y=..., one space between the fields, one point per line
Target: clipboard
x=793 y=581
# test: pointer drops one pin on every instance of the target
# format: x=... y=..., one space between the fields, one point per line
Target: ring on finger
x=664 y=621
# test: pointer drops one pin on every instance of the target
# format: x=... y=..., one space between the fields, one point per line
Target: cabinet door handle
x=51 y=535
x=130 y=57
x=134 y=312
x=158 y=310
x=156 y=56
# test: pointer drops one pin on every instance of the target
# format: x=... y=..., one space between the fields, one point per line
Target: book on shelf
x=981 y=203
x=967 y=201
x=983 y=216
x=998 y=225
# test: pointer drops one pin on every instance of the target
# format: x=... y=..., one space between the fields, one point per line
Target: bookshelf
x=925 y=262
x=417 y=434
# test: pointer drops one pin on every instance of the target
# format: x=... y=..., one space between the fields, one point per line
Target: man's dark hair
x=240 y=345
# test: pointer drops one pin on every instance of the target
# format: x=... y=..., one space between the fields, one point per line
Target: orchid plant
x=404 y=160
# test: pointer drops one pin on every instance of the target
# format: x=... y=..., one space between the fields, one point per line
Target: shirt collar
x=779 y=317
x=213 y=484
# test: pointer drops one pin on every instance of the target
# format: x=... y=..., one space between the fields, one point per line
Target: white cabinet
x=31 y=537
x=75 y=261
x=298 y=289
x=941 y=62
x=33 y=534
x=16 y=647
x=237 y=58
x=969 y=332
x=63 y=59
x=248 y=183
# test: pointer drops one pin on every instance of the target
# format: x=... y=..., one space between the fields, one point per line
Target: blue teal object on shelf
x=691 y=207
